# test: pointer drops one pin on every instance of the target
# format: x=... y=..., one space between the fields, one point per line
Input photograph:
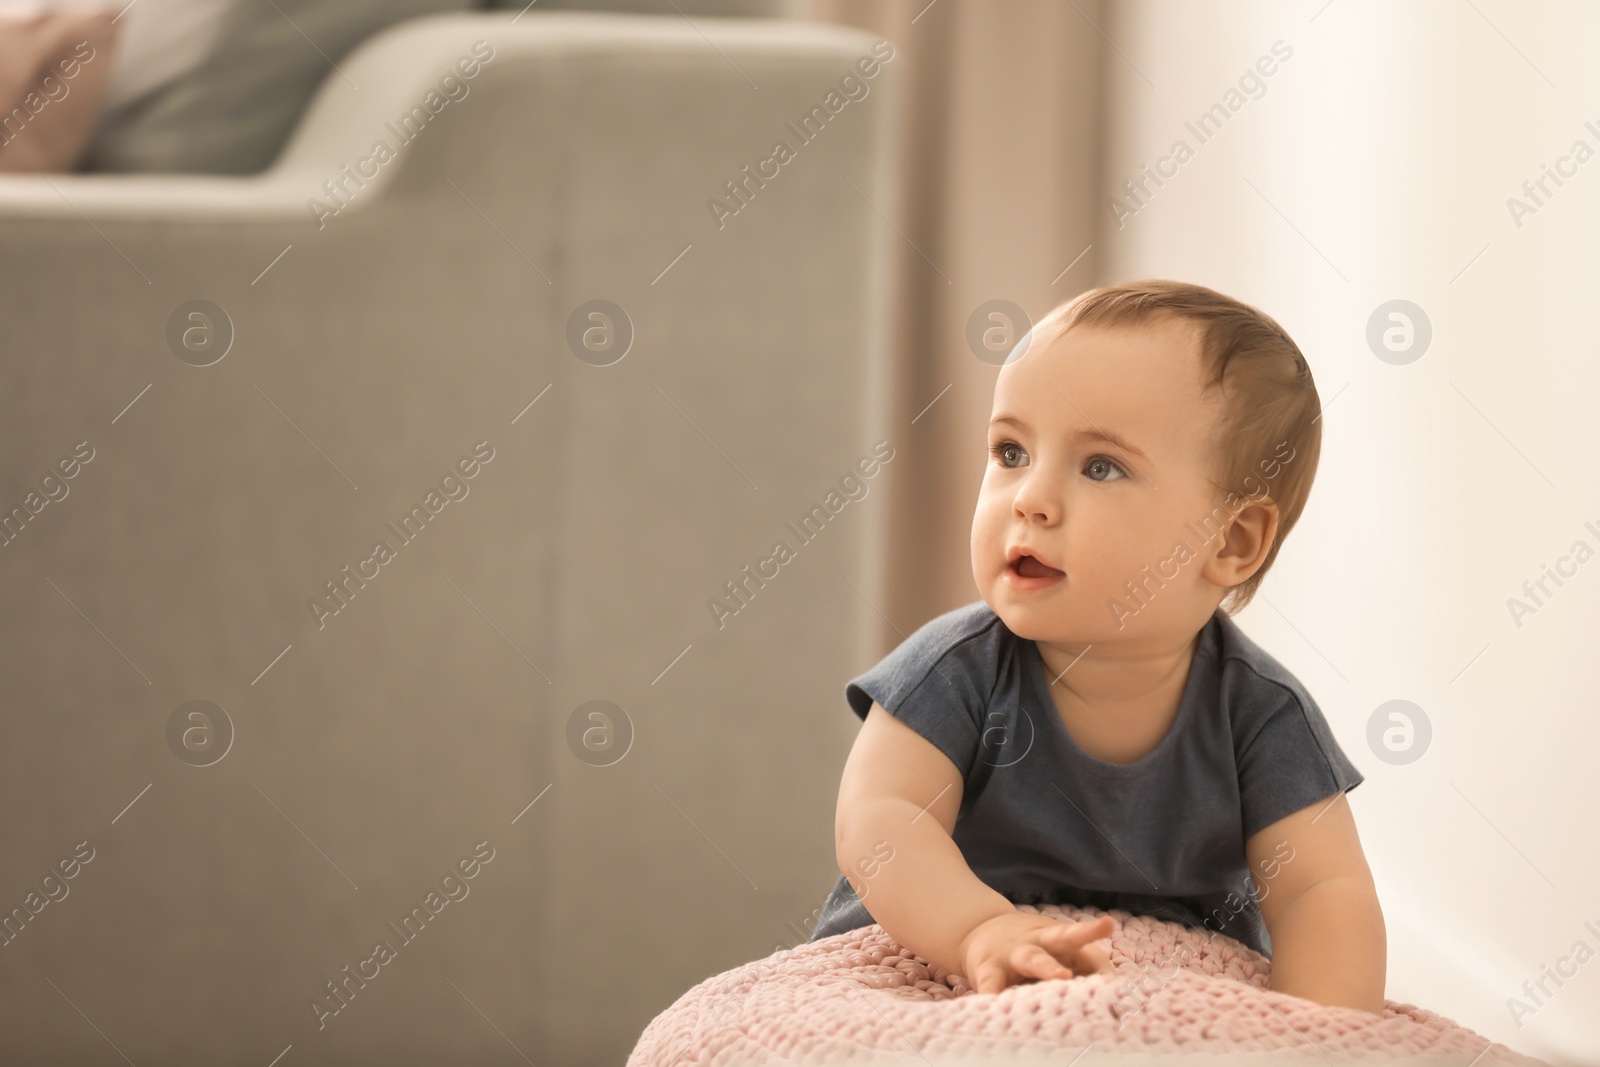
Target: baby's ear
x=1245 y=544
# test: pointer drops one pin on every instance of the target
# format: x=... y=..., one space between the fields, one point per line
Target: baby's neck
x=1118 y=681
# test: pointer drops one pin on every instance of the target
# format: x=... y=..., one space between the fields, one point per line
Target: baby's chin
x=1032 y=619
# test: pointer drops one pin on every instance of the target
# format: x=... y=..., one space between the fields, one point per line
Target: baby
x=1097 y=731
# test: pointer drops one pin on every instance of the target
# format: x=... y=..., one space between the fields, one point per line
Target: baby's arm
x=898 y=803
x=1321 y=907
x=898 y=797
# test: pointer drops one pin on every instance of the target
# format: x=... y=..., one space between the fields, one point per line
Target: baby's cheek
x=987 y=538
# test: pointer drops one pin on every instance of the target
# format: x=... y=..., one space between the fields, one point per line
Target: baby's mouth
x=1028 y=567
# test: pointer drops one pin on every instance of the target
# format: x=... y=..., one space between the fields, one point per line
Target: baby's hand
x=1010 y=949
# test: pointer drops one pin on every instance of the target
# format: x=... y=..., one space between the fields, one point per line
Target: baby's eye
x=1001 y=450
x=1098 y=462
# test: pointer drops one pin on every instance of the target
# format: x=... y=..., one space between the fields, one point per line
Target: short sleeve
x=937 y=682
x=1291 y=762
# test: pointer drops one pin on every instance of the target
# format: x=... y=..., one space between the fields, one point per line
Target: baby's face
x=1097 y=511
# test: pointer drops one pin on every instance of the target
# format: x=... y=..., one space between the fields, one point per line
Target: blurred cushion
x=747 y=9
x=54 y=65
x=216 y=86
x=161 y=42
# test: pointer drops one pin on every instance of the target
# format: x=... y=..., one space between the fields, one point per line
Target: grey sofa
x=258 y=744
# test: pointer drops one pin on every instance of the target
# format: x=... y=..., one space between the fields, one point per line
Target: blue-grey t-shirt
x=1043 y=822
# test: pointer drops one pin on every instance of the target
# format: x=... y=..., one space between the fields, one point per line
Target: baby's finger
x=1034 y=962
x=1068 y=937
x=1092 y=959
x=988 y=977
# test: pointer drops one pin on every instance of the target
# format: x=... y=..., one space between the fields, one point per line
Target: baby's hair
x=1270 y=401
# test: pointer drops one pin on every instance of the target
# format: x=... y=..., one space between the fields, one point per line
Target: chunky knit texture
x=1173 y=990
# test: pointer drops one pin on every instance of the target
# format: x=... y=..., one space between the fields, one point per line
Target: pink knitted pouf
x=1173 y=990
